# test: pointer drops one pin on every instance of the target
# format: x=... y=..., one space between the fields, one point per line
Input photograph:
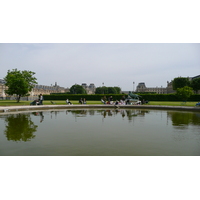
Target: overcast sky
x=106 y=42
x=114 y=64
x=112 y=42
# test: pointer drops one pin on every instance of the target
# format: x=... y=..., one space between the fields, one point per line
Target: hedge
x=167 y=97
x=88 y=97
x=97 y=97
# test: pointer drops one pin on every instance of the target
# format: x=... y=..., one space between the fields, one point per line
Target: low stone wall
x=107 y=106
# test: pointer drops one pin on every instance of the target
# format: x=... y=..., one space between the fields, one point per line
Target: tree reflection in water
x=129 y=113
x=20 y=127
x=181 y=120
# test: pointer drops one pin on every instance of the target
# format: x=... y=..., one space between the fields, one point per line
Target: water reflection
x=100 y=132
x=129 y=113
x=181 y=120
x=19 y=127
x=39 y=114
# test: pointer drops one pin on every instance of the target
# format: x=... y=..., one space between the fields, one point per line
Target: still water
x=123 y=132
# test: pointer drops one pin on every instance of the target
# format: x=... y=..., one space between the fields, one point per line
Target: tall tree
x=180 y=82
x=195 y=84
x=77 y=89
x=101 y=90
x=108 y=90
x=184 y=93
x=20 y=127
x=19 y=82
x=118 y=89
x=112 y=90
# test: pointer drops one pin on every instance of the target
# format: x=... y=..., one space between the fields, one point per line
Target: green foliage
x=111 y=90
x=89 y=97
x=97 y=97
x=20 y=127
x=195 y=84
x=184 y=93
x=108 y=90
x=19 y=82
x=101 y=90
x=118 y=90
x=77 y=89
x=180 y=82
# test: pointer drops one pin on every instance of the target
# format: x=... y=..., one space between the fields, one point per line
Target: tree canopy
x=19 y=82
x=24 y=132
x=184 y=93
x=195 y=84
x=107 y=90
x=77 y=89
x=180 y=82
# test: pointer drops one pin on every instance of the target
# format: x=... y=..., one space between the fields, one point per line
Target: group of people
x=122 y=101
x=82 y=101
x=38 y=101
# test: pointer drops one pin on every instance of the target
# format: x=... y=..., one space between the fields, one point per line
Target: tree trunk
x=18 y=98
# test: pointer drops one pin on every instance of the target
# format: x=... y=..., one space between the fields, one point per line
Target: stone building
x=43 y=89
x=160 y=90
x=89 y=89
x=36 y=91
x=2 y=89
x=141 y=87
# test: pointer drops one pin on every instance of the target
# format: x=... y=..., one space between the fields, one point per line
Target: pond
x=100 y=132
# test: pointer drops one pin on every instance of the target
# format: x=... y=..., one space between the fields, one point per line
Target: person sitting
x=128 y=102
x=84 y=101
x=111 y=100
x=81 y=101
x=122 y=102
x=102 y=101
x=68 y=102
x=116 y=102
x=35 y=102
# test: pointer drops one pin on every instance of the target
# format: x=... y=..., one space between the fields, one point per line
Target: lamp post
x=133 y=85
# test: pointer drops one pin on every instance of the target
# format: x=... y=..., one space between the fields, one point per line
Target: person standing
x=41 y=99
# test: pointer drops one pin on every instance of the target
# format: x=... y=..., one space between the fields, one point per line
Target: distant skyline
x=114 y=64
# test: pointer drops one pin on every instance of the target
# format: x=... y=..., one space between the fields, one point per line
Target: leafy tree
x=180 y=82
x=107 y=90
x=77 y=89
x=20 y=127
x=19 y=82
x=118 y=89
x=184 y=93
x=104 y=90
x=111 y=90
x=101 y=90
x=195 y=84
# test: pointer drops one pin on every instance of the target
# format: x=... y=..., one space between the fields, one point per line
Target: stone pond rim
x=49 y=107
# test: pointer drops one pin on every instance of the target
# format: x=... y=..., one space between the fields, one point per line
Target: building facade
x=43 y=89
x=89 y=89
x=2 y=89
x=141 y=87
x=36 y=91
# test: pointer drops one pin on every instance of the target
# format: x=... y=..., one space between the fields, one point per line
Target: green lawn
x=172 y=103
x=164 y=103
x=23 y=103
